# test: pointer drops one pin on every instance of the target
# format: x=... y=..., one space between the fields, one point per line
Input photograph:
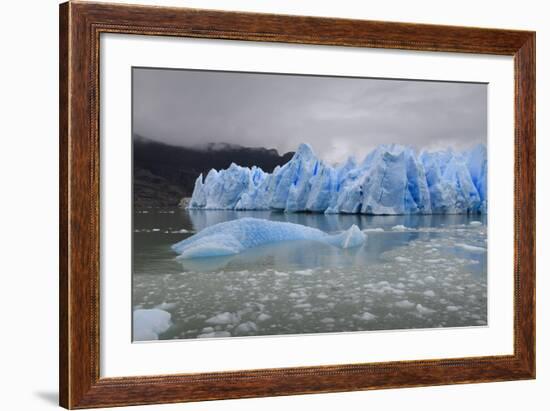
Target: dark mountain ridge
x=164 y=173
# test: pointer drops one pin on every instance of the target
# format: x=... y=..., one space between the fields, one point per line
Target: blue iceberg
x=452 y=188
x=236 y=236
x=476 y=161
x=391 y=180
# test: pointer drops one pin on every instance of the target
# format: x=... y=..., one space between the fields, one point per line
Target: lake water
x=412 y=272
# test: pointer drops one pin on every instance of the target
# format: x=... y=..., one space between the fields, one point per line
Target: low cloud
x=338 y=116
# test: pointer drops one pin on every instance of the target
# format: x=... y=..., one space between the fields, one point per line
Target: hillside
x=163 y=173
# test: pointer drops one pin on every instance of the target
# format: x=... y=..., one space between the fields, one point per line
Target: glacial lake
x=412 y=272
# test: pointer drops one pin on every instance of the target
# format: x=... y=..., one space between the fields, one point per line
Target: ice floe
x=373 y=230
x=263 y=317
x=233 y=237
x=215 y=334
x=424 y=310
x=404 y=304
x=399 y=227
x=471 y=248
x=149 y=323
x=366 y=316
x=224 y=318
x=246 y=328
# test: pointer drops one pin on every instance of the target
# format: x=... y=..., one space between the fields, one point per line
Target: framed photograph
x=258 y=205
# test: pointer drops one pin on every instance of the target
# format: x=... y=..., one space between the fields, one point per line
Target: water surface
x=413 y=272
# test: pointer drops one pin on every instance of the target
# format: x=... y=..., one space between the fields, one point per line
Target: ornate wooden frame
x=81 y=24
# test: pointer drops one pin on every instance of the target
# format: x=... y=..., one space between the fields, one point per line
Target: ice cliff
x=233 y=237
x=392 y=179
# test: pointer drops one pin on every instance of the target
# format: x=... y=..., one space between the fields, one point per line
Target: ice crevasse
x=391 y=180
x=233 y=237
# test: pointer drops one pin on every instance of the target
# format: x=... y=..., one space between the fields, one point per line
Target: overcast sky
x=338 y=116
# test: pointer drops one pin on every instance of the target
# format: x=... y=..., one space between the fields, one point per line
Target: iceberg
x=476 y=161
x=451 y=185
x=149 y=323
x=323 y=186
x=236 y=236
x=391 y=180
x=292 y=180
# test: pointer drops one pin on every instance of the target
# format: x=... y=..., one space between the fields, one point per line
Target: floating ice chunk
x=452 y=308
x=399 y=227
x=328 y=320
x=429 y=279
x=233 y=237
x=471 y=248
x=224 y=318
x=475 y=223
x=404 y=304
x=373 y=230
x=206 y=330
x=423 y=310
x=402 y=259
x=366 y=316
x=434 y=260
x=166 y=306
x=263 y=317
x=246 y=328
x=429 y=293
x=306 y=272
x=215 y=334
x=351 y=238
x=148 y=324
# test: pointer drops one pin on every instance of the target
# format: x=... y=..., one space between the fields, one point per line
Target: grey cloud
x=337 y=116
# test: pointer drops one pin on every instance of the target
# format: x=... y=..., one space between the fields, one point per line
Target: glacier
x=235 y=236
x=391 y=180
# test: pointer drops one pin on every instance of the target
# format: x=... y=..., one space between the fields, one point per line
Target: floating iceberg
x=233 y=237
x=148 y=324
x=391 y=180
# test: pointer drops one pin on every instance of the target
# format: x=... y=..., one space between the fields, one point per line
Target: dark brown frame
x=80 y=27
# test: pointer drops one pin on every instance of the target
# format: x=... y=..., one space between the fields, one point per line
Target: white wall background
x=28 y=204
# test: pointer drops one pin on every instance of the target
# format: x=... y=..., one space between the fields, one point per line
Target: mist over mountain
x=164 y=173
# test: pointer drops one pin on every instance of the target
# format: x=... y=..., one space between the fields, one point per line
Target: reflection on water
x=200 y=219
x=413 y=272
